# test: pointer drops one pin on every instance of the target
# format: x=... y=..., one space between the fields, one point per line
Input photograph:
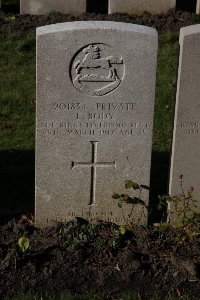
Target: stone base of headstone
x=41 y=7
x=140 y=6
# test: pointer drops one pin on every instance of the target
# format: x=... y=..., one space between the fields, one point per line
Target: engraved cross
x=94 y=164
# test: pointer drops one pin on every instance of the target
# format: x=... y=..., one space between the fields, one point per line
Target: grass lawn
x=17 y=122
x=165 y=91
x=17 y=91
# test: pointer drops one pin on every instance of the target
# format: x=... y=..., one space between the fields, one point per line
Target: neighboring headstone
x=139 y=6
x=185 y=158
x=41 y=7
x=95 y=104
x=198 y=7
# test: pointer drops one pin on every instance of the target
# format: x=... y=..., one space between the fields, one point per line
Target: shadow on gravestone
x=187 y=5
x=97 y=6
x=16 y=183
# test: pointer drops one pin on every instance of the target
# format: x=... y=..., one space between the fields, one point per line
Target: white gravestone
x=198 y=7
x=185 y=158
x=95 y=104
x=42 y=7
x=140 y=6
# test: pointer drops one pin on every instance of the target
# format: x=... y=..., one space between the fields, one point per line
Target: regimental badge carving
x=97 y=69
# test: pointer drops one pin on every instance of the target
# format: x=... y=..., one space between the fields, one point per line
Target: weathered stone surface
x=198 y=7
x=41 y=7
x=95 y=103
x=186 y=138
x=139 y=6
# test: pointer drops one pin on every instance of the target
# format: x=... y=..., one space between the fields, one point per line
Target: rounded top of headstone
x=94 y=25
x=188 y=31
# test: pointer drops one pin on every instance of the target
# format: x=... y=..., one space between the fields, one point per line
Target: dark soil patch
x=173 y=21
x=81 y=258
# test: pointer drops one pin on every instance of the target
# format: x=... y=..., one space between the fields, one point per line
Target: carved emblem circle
x=97 y=69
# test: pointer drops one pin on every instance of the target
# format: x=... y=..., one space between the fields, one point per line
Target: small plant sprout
x=123 y=199
x=183 y=204
x=184 y=207
x=122 y=229
x=23 y=243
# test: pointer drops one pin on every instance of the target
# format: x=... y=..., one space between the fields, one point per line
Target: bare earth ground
x=81 y=258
